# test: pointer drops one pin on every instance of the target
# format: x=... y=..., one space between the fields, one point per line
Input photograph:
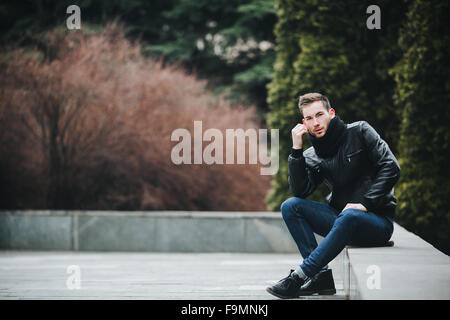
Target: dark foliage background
x=246 y=53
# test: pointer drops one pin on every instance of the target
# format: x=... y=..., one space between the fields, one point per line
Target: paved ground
x=121 y=275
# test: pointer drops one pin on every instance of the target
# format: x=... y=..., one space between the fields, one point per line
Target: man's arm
x=302 y=179
x=388 y=169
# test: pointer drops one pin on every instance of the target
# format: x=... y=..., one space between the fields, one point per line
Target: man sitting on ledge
x=360 y=170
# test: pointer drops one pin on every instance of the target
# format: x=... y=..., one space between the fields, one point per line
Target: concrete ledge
x=412 y=269
x=151 y=231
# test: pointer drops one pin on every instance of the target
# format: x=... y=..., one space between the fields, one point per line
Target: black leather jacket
x=364 y=170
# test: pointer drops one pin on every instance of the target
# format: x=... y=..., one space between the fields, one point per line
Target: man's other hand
x=357 y=206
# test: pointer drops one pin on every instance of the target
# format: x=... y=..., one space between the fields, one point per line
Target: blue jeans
x=349 y=227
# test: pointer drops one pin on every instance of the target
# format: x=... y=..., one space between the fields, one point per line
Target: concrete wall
x=156 y=231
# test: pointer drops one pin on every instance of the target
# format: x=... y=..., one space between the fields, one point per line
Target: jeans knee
x=288 y=207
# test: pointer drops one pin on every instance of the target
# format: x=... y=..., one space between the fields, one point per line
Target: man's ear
x=332 y=113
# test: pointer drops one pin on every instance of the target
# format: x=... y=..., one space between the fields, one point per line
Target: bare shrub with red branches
x=86 y=124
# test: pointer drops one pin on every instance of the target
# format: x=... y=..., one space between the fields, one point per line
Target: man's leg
x=303 y=218
x=351 y=226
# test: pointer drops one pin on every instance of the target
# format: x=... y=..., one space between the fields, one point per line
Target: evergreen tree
x=423 y=91
x=24 y=20
x=228 y=42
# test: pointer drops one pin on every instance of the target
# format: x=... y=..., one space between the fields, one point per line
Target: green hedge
x=423 y=89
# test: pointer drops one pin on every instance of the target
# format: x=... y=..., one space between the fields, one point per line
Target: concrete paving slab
x=146 y=275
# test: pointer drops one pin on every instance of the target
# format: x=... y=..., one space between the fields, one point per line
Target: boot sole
x=277 y=295
x=326 y=292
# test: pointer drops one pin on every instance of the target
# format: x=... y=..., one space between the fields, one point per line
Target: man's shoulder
x=361 y=128
x=357 y=125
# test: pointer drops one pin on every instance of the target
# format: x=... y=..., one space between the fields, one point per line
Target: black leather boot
x=322 y=283
x=289 y=287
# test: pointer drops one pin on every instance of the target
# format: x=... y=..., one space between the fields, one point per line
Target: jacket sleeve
x=387 y=167
x=302 y=179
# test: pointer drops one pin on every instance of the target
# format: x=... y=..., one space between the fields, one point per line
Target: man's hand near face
x=297 y=136
x=357 y=206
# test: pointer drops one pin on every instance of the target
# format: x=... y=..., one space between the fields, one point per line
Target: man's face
x=316 y=118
